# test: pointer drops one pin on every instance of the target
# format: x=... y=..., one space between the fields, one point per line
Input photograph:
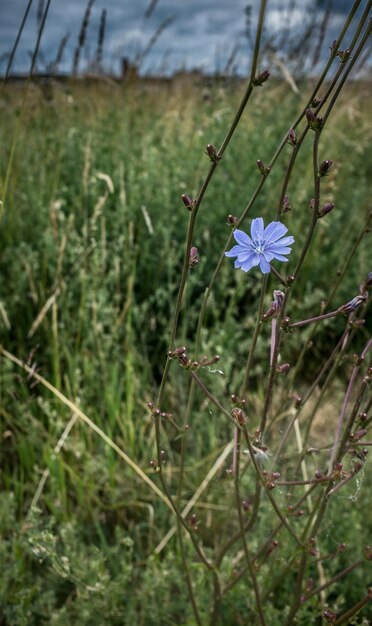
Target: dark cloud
x=203 y=31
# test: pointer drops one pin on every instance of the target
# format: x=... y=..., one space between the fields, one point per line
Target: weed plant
x=180 y=446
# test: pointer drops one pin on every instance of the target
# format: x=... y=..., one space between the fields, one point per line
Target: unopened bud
x=286 y=204
x=193 y=258
x=274 y=544
x=354 y=304
x=368 y=553
x=315 y=102
x=329 y=616
x=177 y=352
x=292 y=138
x=283 y=369
x=276 y=306
x=315 y=123
x=297 y=400
x=260 y=78
x=239 y=416
x=264 y=169
x=245 y=506
x=286 y=323
x=358 y=434
x=344 y=55
x=232 y=220
x=188 y=202
x=325 y=166
x=326 y=208
x=333 y=46
x=212 y=153
x=278 y=299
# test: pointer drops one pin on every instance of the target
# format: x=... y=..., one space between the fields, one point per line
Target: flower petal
x=275 y=248
x=264 y=265
x=242 y=237
x=274 y=231
x=235 y=250
x=257 y=228
x=245 y=255
x=279 y=257
x=252 y=261
x=285 y=241
x=269 y=256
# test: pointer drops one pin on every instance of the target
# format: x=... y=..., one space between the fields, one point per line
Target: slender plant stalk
x=243 y=537
x=16 y=42
x=187 y=575
x=22 y=109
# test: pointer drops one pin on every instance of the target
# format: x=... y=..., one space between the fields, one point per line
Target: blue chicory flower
x=262 y=247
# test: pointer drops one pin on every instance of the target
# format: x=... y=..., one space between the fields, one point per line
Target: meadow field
x=92 y=242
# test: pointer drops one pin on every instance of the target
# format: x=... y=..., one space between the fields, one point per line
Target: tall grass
x=92 y=245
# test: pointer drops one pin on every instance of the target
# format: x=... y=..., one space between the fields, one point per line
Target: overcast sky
x=201 y=35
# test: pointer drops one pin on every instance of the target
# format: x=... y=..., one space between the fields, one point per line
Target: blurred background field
x=91 y=244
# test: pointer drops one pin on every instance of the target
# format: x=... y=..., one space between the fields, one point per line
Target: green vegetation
x=91 y=242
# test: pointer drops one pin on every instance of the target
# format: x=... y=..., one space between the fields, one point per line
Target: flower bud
x=188 y=202
x=193 y=258
x=315 y=123
x=333 y=47
x=315 y=102
x=245 y=506
x=368 y=553
x=264 y=169
x=344 y=55
x=283 y=369
x=329 y=616
x=239 y=416
x=212 y=153
x=354 y=304
x=325 y=166
x=286 y=204
x=274 y=544
x=358 y=434
x=260 y=78
x=232 y=220
x=286 y=323
x=177 y=352
x=326 y=208
x=276 y=306
x=297 y=400
x=292 y=138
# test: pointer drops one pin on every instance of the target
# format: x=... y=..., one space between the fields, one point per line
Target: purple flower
x=262 y=247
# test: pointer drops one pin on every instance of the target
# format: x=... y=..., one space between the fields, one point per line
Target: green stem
x=187 y=575
x=242 y=531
